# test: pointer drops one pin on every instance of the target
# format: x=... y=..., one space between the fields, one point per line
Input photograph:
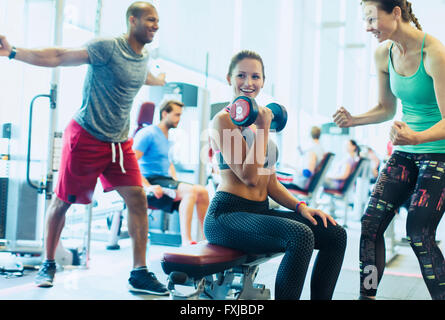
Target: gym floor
x=106 y=278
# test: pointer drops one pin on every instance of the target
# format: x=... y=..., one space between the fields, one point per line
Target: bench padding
x=203 y=253
x=202 y=259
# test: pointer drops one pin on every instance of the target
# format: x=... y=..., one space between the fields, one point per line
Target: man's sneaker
x=45 y=276
x=143 y=281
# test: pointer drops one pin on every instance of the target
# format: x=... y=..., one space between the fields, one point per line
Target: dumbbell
x=165 y=202
x=167 y=192
x=244 y=111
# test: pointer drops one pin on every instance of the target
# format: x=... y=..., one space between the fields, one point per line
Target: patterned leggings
x=252 y=227
x=420 y=178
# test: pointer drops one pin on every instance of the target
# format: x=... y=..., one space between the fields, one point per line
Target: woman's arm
x=387 y=102
x=246 y=163
x=280 y=194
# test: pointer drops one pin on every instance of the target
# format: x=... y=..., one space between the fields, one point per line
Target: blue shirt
x=155 y=146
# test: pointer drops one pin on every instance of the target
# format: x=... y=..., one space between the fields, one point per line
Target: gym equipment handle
x=52 y=99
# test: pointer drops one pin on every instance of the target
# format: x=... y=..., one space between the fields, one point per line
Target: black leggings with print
x=419 y=178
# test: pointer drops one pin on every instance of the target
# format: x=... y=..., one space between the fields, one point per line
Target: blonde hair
x=315 y=133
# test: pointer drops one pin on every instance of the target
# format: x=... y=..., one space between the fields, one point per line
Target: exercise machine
x=25 y=190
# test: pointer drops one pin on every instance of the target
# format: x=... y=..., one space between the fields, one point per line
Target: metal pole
x=97 y=26
x=85 y=263
x=58 y=31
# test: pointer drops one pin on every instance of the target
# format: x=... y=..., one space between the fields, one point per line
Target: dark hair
x=137 y=8
x=357 y=148
x=406 y=7
x=168 y=107
x=245 y=54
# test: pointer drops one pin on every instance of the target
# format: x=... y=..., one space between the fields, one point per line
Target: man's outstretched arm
x=45 y=57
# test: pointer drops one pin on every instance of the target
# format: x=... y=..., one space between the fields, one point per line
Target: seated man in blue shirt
x=152 y=146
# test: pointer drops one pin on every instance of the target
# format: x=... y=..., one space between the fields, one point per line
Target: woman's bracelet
x=299 y=204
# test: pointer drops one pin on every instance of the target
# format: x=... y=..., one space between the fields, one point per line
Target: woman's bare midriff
x=232 y=184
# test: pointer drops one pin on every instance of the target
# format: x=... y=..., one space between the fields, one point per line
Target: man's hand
x=156 y=190
x=5 y=47
x=156 y=81
x=161 y=78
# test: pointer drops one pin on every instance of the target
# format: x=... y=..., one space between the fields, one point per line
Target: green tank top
x=420 y=107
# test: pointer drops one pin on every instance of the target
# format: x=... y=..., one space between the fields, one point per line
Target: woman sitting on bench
x=239 y=216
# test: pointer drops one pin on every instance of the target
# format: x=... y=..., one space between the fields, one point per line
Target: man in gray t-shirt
x=96 y=141
x=114 y=77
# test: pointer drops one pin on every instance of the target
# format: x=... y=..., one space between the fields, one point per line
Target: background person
x=152 y=147
x=311 y=158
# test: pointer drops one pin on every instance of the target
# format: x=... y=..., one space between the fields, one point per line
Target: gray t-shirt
x=115 y=75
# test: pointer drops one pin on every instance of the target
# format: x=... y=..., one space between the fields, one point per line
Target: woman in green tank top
x=411 y=68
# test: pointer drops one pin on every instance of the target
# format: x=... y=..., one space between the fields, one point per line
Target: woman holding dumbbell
x=239 y=216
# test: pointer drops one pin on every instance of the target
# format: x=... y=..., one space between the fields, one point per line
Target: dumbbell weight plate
x=243 y=111
x=280 y=116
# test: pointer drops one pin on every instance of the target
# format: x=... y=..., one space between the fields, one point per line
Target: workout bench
x=215 y=272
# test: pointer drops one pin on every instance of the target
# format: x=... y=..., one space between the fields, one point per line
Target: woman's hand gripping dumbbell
x=244 y=112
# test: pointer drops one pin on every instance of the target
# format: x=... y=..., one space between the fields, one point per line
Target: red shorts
x=84 y=159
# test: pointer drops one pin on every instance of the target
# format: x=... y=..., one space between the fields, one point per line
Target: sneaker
x=143 y=281
x=45 y=276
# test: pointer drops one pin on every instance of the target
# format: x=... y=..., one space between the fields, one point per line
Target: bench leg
x=180 y=278
x=205 y=288
x=249 y=289
x=220 y=286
